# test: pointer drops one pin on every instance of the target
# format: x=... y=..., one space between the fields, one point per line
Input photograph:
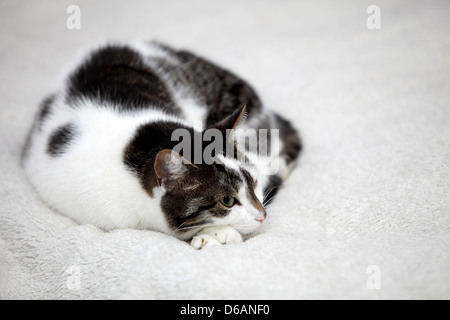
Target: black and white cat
x=101 y=150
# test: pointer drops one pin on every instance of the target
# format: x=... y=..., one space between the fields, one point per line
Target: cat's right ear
x=171 y=168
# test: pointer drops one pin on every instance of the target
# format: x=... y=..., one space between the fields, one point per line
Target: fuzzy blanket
x=366 y=213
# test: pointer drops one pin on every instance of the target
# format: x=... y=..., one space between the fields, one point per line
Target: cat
x=101 y=149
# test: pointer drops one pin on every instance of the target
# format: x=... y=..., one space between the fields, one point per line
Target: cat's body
x=100 y=148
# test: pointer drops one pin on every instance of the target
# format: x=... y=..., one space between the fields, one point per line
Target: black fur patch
x=139 y=156
x=117 y=75
x=60 y=139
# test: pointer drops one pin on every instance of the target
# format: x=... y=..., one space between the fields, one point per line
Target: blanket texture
x=366 y=213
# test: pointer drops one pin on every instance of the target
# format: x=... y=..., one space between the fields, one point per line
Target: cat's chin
x=248 y=227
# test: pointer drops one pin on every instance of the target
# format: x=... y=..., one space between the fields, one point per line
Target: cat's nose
x=261 y=219
x=262 y=216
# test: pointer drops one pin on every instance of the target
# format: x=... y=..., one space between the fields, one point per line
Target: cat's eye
x=228 y=201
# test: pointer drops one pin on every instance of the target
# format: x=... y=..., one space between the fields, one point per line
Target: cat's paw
x=217 y=235
x=224 y=234
x=204 y=240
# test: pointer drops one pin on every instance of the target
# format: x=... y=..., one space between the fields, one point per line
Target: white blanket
x=366 y=214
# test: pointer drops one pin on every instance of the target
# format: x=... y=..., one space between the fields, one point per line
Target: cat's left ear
x=231 y=122
x=171 y=168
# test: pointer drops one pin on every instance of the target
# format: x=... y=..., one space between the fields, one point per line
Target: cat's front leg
x=216 y=235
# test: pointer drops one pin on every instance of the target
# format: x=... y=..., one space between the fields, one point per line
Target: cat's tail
x=287 y=158
x=292 y=145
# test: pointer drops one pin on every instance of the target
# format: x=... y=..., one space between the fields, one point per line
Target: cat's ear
x=171 y=168
x=230 y=122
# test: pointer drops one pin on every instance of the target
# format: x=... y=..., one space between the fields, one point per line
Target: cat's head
x=226 y=192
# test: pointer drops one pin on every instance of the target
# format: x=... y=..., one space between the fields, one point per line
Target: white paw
x=216 y=236
x=203 y=240
x=223 y=234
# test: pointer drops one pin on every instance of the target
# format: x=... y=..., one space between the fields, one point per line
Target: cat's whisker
x=268 y=202
x=180 y=228
x=265 y=200
x=266 y=205
x=187 y=228
x=180 y=225
x=268 y=192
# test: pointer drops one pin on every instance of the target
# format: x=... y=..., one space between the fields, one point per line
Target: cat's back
x=124 y=77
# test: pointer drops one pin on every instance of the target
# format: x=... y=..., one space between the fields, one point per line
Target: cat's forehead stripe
x=250 y=182
x=230 y=164
x=250 y=193
x=229 y=176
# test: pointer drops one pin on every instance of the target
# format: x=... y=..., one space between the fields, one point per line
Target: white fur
x=229 y=163
x=193 y=113
x=150 y=50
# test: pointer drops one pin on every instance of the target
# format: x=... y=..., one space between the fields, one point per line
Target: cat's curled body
x=100 y=150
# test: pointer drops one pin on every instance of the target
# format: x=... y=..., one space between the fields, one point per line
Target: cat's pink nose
x=261 y=218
